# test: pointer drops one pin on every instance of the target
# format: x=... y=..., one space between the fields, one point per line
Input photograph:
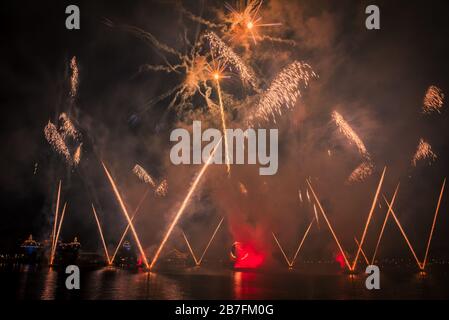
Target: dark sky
x=377 y=79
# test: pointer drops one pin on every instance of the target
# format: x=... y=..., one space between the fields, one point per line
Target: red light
x=340 y=259
x=246 y=256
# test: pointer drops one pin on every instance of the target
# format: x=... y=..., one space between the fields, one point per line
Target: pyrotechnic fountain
x=198 y=261
x=291 y=262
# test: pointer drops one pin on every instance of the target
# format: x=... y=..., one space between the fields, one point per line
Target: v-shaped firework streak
x=125 y=212
x=136 y=211
x=421 y=265
x=198 y=261
x=291 y=262
x=352 y=266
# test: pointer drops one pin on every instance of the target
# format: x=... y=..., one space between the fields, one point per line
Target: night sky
x=376 y=79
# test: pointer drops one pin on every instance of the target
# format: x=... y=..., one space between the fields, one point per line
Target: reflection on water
x=48 y=292
x=27 y=282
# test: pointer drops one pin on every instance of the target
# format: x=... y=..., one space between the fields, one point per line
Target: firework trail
x=225 y=53
x=366 y=168
x=190 y=249
x=56 y=141
x=162 y=189
x=390 y=209
x=282 y=250
x=437 y=210
x=193 y=67
x=302 y=242
x=77 y=155
x=362 y=251
x=433 y=100
x=316 y=215
x=350 y=134
x=56 y=217
x=143 y=175
x=373 y=206
x=384 y=224
x=291 y=262
x=423 y=152
x=223 y=124
x=74 y=79
x=198 y=19
x=52 y=255
x=148 y=37
x=278 y=40
x=300 y=195
x=184 y=205
x=284 y=91
x=210 y=240
x=101 y=234
x=363 y=171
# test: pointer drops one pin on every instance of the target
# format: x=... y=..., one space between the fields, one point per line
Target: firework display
x=157 y=124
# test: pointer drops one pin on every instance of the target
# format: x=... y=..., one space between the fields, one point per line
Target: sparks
x=349 y=133
x=283 y=92
x=162 y=188
x=74 y=79
x=433 y=100
x=363 y=171
x=56 y=141
x=141 y=173
x=423 y=152
x=77 y=155
x=228 y=56
x=246 y=22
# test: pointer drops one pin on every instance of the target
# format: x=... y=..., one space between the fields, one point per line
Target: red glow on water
x=245 y=256
x=139 y=261
x=340 y=259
